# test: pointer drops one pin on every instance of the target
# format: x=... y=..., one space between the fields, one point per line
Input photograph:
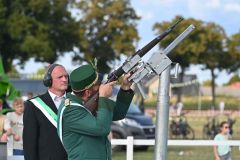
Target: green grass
x=188 y=152
x=178 y=153
x=191 y=103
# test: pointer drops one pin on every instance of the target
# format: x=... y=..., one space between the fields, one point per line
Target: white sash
x=60 y=118
x=44 y=111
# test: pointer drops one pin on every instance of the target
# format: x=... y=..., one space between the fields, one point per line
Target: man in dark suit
x=40 y=139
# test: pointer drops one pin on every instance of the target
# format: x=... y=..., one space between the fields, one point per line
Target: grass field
x=178 y=153
x=189 y=152
x=192 y=102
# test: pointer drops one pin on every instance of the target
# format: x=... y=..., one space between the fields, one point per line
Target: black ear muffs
x=47 y=80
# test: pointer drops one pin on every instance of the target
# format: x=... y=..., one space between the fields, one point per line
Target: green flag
x=7 y=90
x=1 y=66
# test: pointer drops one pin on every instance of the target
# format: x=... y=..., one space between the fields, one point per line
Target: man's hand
x=9 y=132
x=105 y=90
x=126 y=84
x=17 y=137
x=4 y=138
x=217 y=158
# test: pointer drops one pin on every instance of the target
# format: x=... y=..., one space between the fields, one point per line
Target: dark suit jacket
x=40 y=139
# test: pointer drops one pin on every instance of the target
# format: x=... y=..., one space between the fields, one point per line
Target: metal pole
x=130 y=148
x=161 y=133
x=3 y=150
x=199 y=97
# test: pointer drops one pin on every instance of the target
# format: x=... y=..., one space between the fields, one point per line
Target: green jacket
x=84 y=135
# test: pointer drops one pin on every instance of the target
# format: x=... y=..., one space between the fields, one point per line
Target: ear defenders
x=47 y=80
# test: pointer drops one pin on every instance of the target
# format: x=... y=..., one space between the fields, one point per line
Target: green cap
x=83 y=78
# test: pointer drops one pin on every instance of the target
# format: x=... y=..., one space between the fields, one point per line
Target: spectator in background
x=40 y=139
x=29 y=95
x=179 y=108
x=14 y=126
x=222 y=152
x=172 y=108
x=221 y=107
x=2 y=118
x=231 y=122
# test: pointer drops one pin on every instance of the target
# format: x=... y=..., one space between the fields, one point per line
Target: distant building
x=224 y=90
x=235 y=85
x=189 y=86
x=25 y=86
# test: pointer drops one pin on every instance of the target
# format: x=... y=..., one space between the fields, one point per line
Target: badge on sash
x=67 y=102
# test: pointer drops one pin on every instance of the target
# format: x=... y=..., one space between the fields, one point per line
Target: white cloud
x=197 y=9
x=204 y=4
x=232 y=7
x=157 y=2
x=145 y=15
x=213 y=3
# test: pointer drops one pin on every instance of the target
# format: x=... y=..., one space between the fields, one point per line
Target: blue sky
x=223 y=12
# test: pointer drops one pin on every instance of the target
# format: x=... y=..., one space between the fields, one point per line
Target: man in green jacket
x=84 y=129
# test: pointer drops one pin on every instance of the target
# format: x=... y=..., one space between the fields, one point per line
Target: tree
x=233 y=61
x=234 y=51
x=188 y=50
x=215 y=52
x=207 y=83
x=13 y=73
x=107 y=30
x=41 y=71
x=206 y=45
x=36 y=28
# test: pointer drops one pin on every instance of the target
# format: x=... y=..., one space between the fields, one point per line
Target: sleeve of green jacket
x=79 y=120
x=124 y=99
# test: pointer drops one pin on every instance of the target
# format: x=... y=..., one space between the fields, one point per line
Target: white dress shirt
x=56 y=99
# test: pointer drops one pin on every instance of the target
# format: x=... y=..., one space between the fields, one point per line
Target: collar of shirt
x=56 y=98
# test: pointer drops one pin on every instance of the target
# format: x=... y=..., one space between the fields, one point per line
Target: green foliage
x=234 y=51
x=207 y=83
x=1 y=66
x=205 y=45
x=41 y=71
x=13 y=73
x=188 y=50
x=213 y=54
x=7 y=90
x=36 y=28
x=6 y=110
x=107 y=29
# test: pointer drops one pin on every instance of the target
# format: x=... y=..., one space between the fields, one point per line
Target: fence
x=130 y=142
